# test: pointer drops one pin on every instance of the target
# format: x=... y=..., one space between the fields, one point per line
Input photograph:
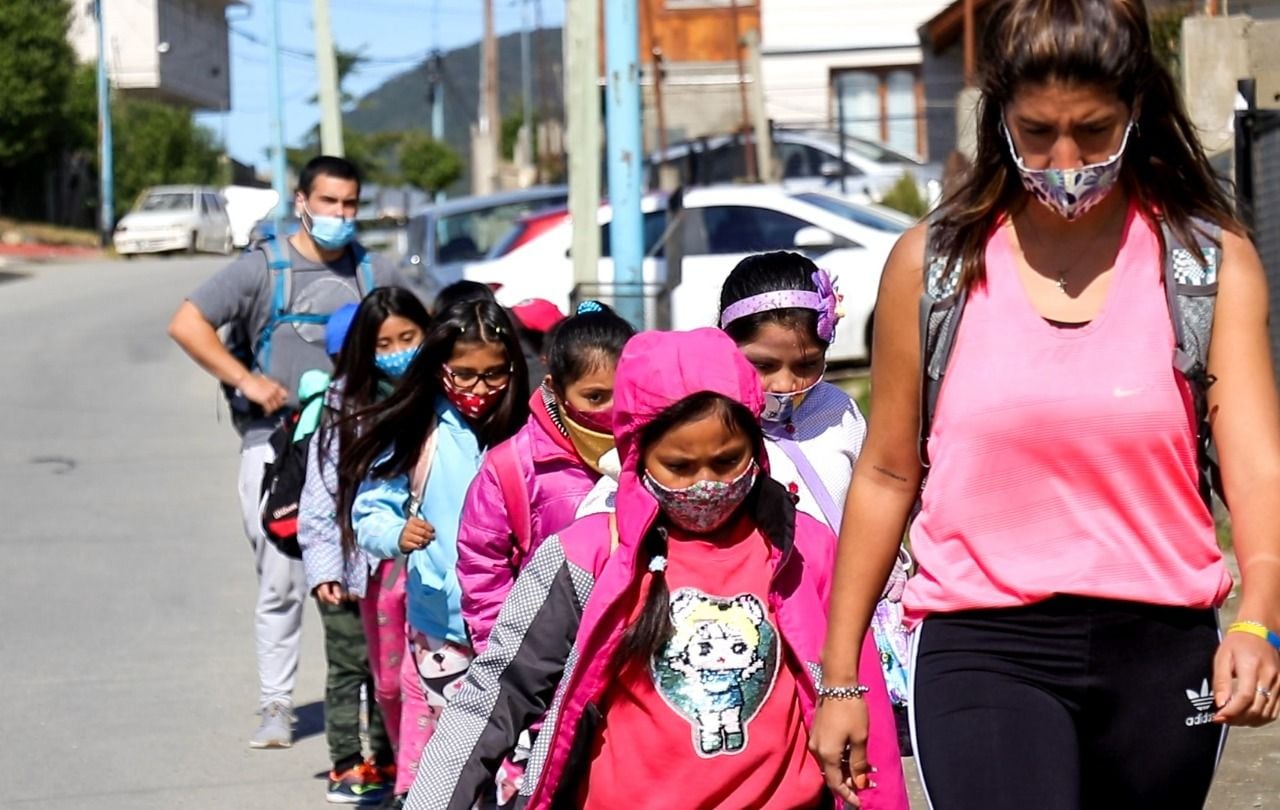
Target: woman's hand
x=417 y=534
x=838 y=741
x=1254 y=667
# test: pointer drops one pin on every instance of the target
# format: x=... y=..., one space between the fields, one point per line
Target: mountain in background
x=400 y=103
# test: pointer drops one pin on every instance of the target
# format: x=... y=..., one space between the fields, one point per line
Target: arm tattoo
x=890 y=473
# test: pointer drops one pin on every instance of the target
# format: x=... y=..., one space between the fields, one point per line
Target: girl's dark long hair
x=1100 y=43
x=766 y=273
x=355 y=369
x=651 y=631
x=400 y=422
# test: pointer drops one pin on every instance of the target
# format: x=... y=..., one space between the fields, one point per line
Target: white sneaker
x=276 y=729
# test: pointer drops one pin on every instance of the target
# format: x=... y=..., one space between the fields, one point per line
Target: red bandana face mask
x=469 y=404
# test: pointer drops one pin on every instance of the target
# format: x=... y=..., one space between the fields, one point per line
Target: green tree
x=35 y=72
x=36 y=64
x=155 y=143
x=158 y=145
x=429 y=164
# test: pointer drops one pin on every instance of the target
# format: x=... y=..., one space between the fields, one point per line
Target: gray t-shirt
x=240 y=296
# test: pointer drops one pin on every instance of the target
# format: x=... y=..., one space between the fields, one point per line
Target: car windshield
x=167 y=201
x=867 y=217
x=471 y=235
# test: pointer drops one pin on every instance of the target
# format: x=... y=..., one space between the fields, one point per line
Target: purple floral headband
x=826 y=302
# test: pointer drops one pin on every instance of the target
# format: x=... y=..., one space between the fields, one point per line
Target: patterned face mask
x=782 y=407
x=703 y=506
x=471 y=405
x=1071 y=192
x=395 y=364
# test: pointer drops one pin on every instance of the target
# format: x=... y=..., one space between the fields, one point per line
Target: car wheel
x=193 y=245
x=227 y=246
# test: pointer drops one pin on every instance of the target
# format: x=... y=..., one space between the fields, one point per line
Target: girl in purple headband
x=782 y=311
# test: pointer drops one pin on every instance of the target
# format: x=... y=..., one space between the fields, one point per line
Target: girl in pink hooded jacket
x=673 y=645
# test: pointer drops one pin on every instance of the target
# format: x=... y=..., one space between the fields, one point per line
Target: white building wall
x=805 y=41
x=174 y=49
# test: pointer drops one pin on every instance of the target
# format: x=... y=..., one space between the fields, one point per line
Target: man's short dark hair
x=329 y=166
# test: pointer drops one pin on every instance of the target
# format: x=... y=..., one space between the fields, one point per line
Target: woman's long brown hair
x=1105 y=44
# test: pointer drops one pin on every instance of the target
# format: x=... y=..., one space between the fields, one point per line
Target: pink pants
x=383 y=613
x=890 y=792
x=431 y=675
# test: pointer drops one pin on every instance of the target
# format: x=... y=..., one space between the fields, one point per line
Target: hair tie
x=589 y=307
x=825 y=301
x=658 y=564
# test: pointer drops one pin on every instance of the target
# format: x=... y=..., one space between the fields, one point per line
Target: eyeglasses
x=467 y=379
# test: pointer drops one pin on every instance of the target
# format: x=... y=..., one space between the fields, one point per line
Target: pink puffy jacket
x=489 y=558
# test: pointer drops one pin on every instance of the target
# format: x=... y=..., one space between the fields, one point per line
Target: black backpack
x=282 y=482
x=1191 y=287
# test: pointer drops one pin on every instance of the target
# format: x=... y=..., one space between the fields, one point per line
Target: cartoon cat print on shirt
x=718 y=668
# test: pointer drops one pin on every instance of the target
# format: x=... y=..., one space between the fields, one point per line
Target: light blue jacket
x=433 y=595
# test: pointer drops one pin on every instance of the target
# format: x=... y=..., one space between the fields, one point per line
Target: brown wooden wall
x=695 y=35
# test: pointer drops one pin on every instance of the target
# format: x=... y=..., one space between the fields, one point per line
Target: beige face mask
x=591 y=446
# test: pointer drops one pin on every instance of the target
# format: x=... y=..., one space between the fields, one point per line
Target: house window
x=880 y=104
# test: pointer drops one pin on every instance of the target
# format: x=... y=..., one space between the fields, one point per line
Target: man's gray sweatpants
x=281 y=586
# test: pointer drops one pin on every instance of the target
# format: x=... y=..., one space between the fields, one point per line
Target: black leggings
x=1069 y=704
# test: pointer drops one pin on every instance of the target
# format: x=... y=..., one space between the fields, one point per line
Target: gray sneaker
x=276 y=730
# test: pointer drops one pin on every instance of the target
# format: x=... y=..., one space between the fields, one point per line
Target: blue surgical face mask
x=395 y=364
x=330 y=233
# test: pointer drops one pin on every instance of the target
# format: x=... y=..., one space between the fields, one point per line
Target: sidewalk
x=35 y=252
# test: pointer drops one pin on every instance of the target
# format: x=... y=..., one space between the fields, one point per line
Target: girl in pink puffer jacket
x=529 y=487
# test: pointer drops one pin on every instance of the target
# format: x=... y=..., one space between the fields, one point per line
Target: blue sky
x=398 y=31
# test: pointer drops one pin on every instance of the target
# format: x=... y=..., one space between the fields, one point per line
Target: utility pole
x=528 y=131
x=625 y=156
x=279 y=169
x=106 y=167
x=484 y=141
x=582 y=102
x=655 y=54
x=749 y=154
x=327 y=76
x=764 y=137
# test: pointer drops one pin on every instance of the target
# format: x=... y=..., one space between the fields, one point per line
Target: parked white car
x=175 y=218
x=722 y=225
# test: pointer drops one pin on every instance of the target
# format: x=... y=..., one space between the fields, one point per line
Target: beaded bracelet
x=1256 y=629
x=842 y=692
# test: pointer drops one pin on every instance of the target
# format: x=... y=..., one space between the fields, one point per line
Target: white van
x=175 y=218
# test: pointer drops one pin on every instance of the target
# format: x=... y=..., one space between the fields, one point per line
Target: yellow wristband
x=1255 y=629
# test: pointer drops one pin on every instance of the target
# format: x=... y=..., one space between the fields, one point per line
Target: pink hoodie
x=488 y=557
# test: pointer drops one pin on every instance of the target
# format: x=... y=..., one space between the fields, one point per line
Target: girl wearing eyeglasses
x=403 y=483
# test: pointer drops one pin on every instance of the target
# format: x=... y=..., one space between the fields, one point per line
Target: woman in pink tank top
x=1066 y=647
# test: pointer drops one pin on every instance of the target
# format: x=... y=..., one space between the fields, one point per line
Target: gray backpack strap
x=941 y=305
x=1191 y=287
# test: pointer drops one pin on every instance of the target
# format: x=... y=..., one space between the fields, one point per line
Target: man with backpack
x=274 y=302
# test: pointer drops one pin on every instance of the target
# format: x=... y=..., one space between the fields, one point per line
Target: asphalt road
x=126 y=650
x=126 y=653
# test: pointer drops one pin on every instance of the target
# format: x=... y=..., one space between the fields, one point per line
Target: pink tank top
x=1063 y=459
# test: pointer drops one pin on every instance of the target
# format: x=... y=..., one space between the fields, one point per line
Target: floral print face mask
x=1071 y=192
x=703 y=506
